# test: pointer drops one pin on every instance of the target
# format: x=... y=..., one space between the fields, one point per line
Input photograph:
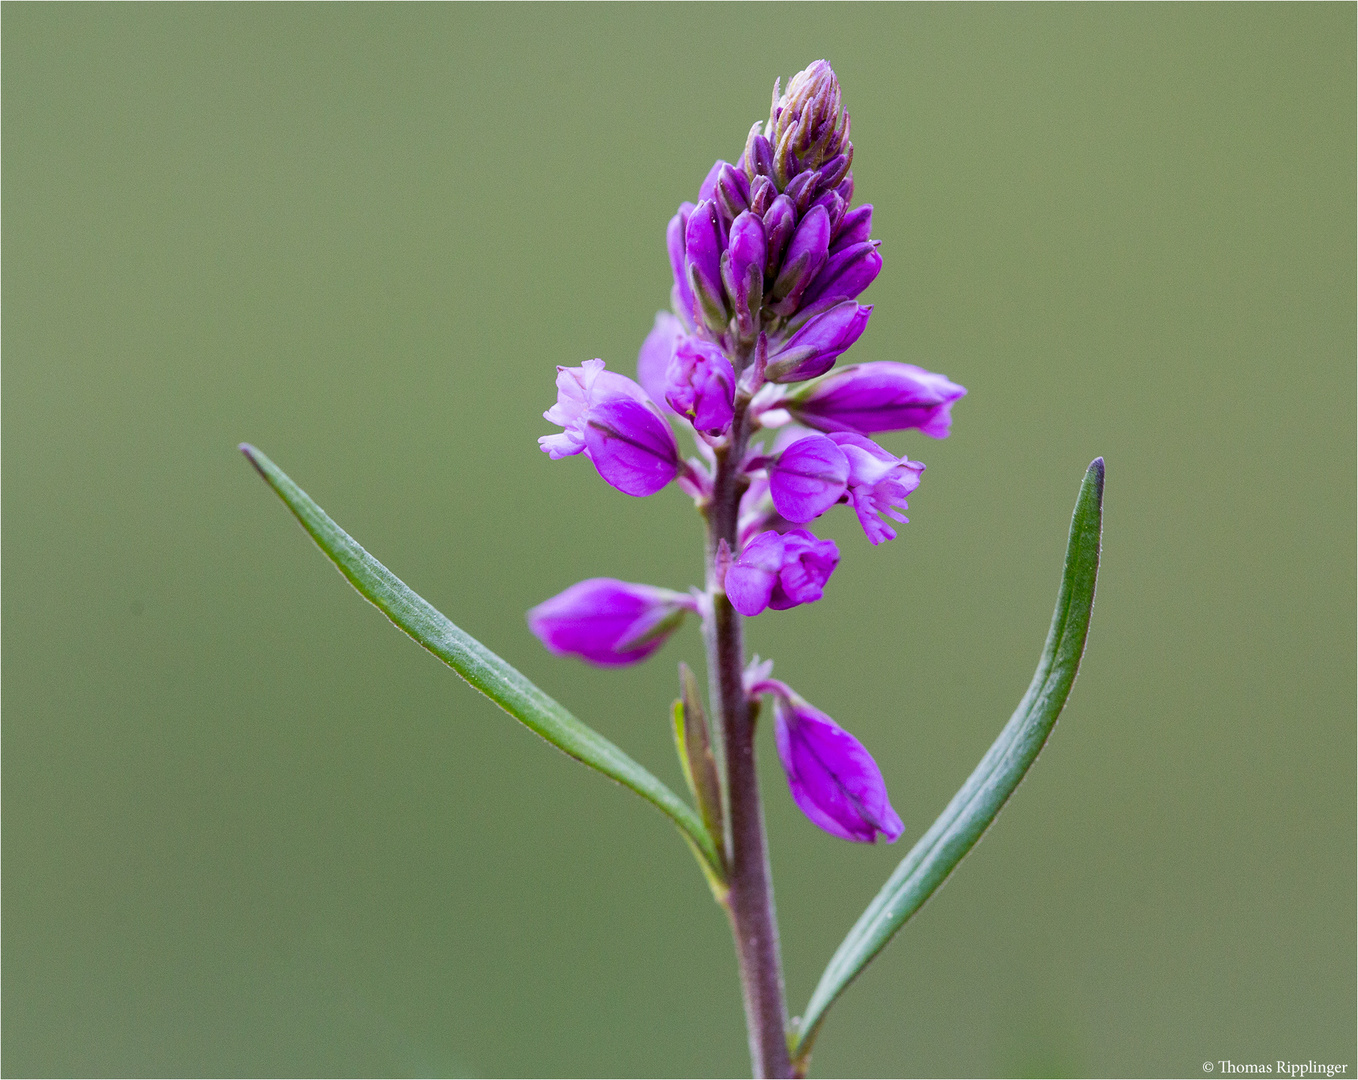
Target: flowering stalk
x=768 y=265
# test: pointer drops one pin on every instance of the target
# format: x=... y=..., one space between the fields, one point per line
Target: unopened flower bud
x=758 y=155
x=780 y=221
x=854 y=228
x=807 y=124
x=762 y=194
x=702 y=263
x=879 y=396
x=801 y=190
x=806 y=254
x=674 y=241
x=815 y=347
x=608 y=622
x=732 y=192
x=700 y=384
x=845 y=274
x=834 y=206
x=742 y=270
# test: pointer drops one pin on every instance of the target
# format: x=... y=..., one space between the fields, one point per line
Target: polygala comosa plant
x=769 y=263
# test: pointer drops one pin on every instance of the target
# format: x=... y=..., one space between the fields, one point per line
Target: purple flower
x=808 y=478
x=609 y=419
x=879 y=396
x=878 y=483
x=834 y=780
x=607 y=621
x=780 y=219
x=700 y=384
x=815 y=347
x=780 y=571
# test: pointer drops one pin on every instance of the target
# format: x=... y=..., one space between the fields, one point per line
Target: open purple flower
x=817 y=471
x=882 y=395
x=780 y=571
x=834 y=780
x=611 y=420
x=609 y=622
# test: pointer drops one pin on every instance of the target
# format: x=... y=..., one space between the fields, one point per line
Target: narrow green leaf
x=478 y=665
x=974 y=807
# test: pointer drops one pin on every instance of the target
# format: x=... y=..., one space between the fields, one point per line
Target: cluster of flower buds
x=768 y=266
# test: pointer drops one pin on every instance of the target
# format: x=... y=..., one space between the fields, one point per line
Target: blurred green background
x=251 y=829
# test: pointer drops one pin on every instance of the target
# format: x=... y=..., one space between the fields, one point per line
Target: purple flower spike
x=674 y=241
x=780 y=571
x=878 y=483
x=608 y=622
x=808 y=478
x=742 y=270
x=806 y=254
x=834 y=780
x=814 y=348
x=700 y=384
x=702 y=265
x=632 y=446
x=879 y=396
x=847 y=273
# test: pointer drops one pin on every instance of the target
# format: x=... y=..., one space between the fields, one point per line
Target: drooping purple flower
x=609 y=622
x=700 y=385
x=878 y=483
x=780 y=571
x=834 y=780
x=808 y=478
x=610 y=419
x=882 y=395
x=818 y=343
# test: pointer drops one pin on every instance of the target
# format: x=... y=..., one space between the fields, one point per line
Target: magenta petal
x=834 y=780
x=780 y=571
x=631 y=446
x=808 y=478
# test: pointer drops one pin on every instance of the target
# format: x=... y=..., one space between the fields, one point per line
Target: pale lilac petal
x=655 y=355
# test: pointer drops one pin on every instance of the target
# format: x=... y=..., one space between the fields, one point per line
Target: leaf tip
x=1096 y=468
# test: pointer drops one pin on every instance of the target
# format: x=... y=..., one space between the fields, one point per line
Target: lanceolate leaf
x=974 y=807
x=478 y=665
